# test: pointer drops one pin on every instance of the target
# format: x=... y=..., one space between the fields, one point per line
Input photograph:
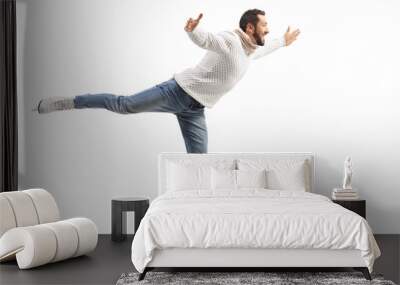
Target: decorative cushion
x=227 y=179
x=188 y=174
x=282 y=174
x=223 y=179
x=189 y=177
x=251 y=178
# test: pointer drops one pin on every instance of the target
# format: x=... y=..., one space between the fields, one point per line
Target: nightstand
x=119 y=207
x=357 y=206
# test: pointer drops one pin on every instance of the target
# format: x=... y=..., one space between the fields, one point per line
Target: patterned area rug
x=270 y=278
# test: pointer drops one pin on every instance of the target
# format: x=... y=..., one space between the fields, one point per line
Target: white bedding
x=250 y=218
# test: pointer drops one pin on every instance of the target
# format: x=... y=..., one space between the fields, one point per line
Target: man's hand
x=192 y=24
x=291 y=36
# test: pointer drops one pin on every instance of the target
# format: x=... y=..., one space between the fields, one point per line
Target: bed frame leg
x=364 y=271
x=143 y=274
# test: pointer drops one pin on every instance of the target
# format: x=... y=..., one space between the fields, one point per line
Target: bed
x=246 y=210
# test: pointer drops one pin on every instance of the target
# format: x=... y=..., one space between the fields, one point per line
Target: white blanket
x=250 y=218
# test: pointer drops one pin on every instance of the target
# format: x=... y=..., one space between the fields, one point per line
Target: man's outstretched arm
x=272 y=45
x=202 y=38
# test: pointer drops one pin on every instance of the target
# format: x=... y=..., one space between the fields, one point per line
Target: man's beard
x=258 y=39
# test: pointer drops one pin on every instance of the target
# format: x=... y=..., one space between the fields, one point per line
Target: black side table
x=119 y=207
x=357 y=206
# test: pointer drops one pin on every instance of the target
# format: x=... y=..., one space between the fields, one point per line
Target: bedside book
x=344 y=194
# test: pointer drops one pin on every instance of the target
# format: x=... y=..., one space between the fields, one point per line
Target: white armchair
x=31 y=230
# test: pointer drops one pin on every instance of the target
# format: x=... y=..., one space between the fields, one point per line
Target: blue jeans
x=167 y=97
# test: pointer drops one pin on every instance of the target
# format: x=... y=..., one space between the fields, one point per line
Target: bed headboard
x=165 y=157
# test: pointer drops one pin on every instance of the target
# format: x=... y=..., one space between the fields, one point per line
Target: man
x=190 y=91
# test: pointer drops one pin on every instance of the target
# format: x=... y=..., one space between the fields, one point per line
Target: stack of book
x=344 y=194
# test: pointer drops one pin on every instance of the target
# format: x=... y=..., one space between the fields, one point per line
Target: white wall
x=333 y=92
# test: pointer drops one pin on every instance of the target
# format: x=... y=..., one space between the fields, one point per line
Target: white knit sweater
x=222 y=67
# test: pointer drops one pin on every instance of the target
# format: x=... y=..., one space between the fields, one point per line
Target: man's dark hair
x=250 y=16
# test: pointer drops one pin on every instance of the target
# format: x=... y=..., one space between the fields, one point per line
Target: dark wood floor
x=111 y=259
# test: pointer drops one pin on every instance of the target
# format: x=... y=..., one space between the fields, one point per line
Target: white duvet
x=250 y=218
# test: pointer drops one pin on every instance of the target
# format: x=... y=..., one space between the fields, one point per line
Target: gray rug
x=270 y=278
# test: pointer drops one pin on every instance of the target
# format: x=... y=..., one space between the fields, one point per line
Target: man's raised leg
x=160 y=98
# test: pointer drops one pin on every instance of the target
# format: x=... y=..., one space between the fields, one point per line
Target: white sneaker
x=48 y=105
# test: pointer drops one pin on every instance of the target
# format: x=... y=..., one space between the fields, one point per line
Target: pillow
x=251 y=178
x=188 y=177
x=287 y=179
x=237 y=179
x=219 y=163
x=282 y=174
x=223 y=179
x=193 y=173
